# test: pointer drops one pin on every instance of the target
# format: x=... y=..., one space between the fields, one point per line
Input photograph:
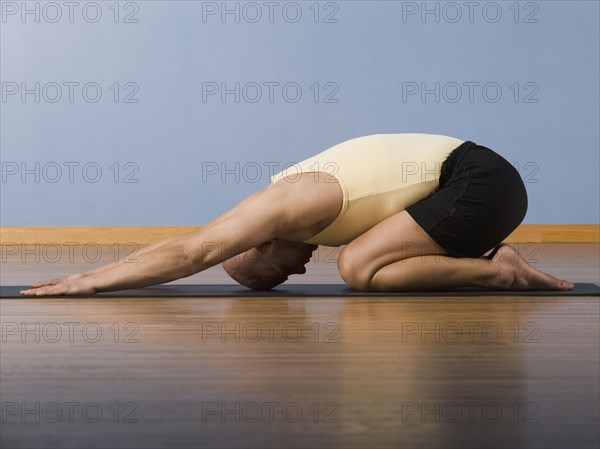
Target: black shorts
x=480 y=200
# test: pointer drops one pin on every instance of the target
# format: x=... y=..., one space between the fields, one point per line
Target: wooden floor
x=472 y=372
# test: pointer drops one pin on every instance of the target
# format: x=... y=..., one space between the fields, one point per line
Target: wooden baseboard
x=101 y=235
x=556 y=233
x=144 y=235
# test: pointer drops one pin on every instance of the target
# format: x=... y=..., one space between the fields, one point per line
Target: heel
x=493 y=253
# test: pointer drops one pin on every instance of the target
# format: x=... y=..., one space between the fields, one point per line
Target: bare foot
x=522 y=276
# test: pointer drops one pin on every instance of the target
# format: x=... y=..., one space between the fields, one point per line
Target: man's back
x=380 y=175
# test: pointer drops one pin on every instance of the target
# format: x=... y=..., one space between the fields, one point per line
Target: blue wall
x=525 y=83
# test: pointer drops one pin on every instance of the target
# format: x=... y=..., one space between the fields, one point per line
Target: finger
x=29 y=292
x=41 y=291
x=46 y=282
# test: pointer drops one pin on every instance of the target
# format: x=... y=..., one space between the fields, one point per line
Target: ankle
x=500 y=277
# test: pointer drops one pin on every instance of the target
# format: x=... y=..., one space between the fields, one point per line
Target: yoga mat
x=310 y=290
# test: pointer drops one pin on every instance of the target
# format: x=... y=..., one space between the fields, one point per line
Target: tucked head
x=269 y=264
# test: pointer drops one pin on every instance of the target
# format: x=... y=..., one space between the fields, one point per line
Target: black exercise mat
x=310 y=290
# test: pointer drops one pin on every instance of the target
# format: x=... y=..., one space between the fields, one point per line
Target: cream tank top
x=380 y=175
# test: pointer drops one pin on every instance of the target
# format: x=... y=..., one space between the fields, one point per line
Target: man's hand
x=55 y=281
x=62 y=288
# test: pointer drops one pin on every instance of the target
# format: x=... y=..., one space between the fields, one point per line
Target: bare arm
x=130 y=258
x=292 y=211
x=127 y=259
x=178 y=238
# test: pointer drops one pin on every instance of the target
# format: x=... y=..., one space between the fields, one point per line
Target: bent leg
x=424 y=273
x=398 y=255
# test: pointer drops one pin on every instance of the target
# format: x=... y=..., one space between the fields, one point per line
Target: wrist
x=88 y=283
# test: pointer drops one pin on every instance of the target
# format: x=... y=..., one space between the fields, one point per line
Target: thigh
x=441 y=217
x=482 y=203
x=495 y=202
x=395 y=238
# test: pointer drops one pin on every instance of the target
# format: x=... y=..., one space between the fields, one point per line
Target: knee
x=353 y=270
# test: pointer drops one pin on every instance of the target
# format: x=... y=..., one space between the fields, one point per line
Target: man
x=416 y=211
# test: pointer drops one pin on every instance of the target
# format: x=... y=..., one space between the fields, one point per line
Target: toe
x=566 y=285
